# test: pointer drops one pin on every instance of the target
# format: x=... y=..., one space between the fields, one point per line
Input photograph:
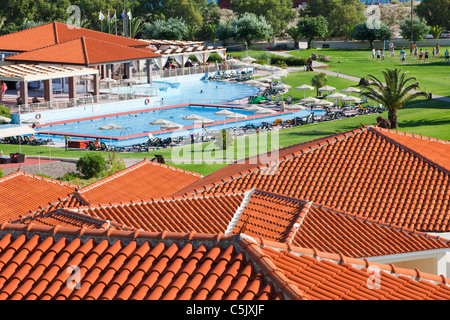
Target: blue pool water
x=140 y=123
x=198 y=91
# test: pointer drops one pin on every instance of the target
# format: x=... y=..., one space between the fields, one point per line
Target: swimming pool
x=136 y=125
x=191 y=91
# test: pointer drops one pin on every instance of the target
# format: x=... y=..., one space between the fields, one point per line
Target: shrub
x=1 y=173
x=70 y=176
x=4 y=111
x=91 y=165
x=114 y=164
x=289 y=61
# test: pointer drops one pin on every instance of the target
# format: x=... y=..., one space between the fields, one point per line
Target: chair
x=276 y=101
x=103 y=147
x=289 y=99
x=277 y=122
x=91 y=146
x=17 y=157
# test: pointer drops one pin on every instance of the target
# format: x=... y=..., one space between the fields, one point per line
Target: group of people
x=419 y=54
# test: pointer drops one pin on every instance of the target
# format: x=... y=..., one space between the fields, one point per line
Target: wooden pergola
x=26 y=73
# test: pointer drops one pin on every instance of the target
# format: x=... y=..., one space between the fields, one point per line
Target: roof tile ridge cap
x=85 y=53
x=298 y=221
x=11 y=175
x=176 y=169
x=55 y=29
x=282 y=196
x=418 y=154
x=239 y=210
x=412 y=135
x=96 y=31
x=80 y=197
x=56 y=181
x=268 y=267
x=73 y=212
x=113 y=176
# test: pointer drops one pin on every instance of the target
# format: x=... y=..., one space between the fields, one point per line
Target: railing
x=81 y=100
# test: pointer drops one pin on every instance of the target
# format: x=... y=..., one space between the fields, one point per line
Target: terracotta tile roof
x=203 y=214
x=83 y=51
x=144 y=180
x=56 y=32
x=355 y=236
x=36 y=263
x=255 y=213
x=360 y=171
x=325 y=276
x=22 y=192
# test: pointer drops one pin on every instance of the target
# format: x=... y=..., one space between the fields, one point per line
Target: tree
x=420 y=29
x=435 y=12
x=224 y=139
x=278 y=13
x=137 y=25
x=394 y=93
x=172 y=29
x=364 y=31
x=187 y=10
x=338 y=13
x=436 y=31
x=319 y=80
x=311 y=28
x=295 y=34
x=249 y=27
x=224 y=32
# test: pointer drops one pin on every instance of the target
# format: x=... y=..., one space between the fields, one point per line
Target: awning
x=16 y=131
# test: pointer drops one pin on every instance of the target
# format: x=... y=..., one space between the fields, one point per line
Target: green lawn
x=434 y=76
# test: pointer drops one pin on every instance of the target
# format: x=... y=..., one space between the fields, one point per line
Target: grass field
x=434 y=76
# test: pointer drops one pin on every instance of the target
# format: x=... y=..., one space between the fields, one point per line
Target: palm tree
x=395 y=93
x=295 y=34
x=137 y=24
x=319 y=80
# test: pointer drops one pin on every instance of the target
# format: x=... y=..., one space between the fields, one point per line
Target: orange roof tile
x=56 y=32
x=257 y=214
x=360 y=171
x=36 y=263
x=144 y=180
x=83 y=51
x=325 y=276
x=22 y=192
x=203 y=214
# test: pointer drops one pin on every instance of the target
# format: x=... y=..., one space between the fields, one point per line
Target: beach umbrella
x=110 y=126
x=294 y=107
x=4 y=119
x=324 y=103
x=265 y=111
x=327 y=89
x=282 y=86
x=253 y=107
x=336 y=95
x=235 y=115
x=33 y=121
x=224 y=112
x=198 y=119
x=253 y=82
x=248 y=59
x=266 y=79
x=171 y=125
x=310 y=100
x=273 y=77
x=304 y=87
x=159 y=122
x=350 y=90
x=351 y=99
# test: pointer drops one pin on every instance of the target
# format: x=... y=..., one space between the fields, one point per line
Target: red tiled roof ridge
x=422 y=156
x=83 y=43
x=131 y=168
x=339 y=258
x=156 y=200
x=19 y=172
x=265 y=263
x=382 y=224
x=316 y=143
x=298 y=222
x=74 y=214
x=119 y=234
x=412 y=135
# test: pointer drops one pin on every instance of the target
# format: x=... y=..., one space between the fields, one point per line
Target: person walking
x=4 y=88
x=411 y=48
x=427 y=53
x=434 y=52
x=402 y=56
x=373 y=54
x=447 y=56
x=437 y=49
